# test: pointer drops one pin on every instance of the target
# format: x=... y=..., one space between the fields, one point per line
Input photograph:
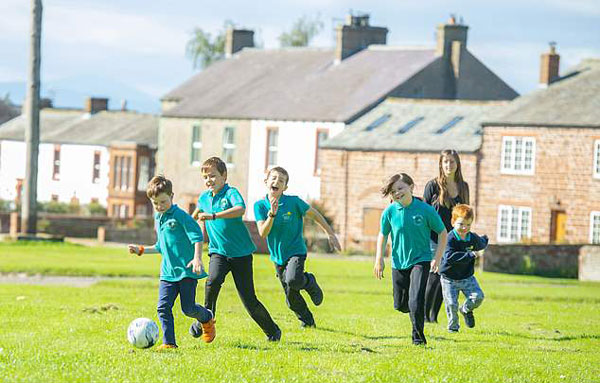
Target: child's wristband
x=141 y=250
x=214 y=216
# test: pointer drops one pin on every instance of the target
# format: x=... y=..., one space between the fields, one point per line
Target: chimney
x=449 y=34
x=355 y=35
x=238 y=39
x=94 y=105
x=46 y=103
x=549 y=65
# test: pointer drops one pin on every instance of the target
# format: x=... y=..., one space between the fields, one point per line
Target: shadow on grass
x=505 y=297
x=343 y=349
x=533 y=337
x=358 y=335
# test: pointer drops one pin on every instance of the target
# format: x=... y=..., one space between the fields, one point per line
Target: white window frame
x=228 y=146
x=594 y=215
x=596 y=164
x=272 y=147
x=196 y=146
x=510 y=211
x=517 y=165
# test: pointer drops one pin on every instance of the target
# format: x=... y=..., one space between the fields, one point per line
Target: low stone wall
x=544 y=260
x=4 y=222
x=589 y=263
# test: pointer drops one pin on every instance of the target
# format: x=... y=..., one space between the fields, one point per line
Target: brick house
x=258 y=108
x=85 y=155
x=399 y=135
x=540 y=168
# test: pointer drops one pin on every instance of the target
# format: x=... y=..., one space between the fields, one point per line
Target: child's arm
x=442 y=238
x=141 y=249
x=379 y=262
x=196 y=213
x=479 y=243
x=196 y=263
x=232 y=212
x=264 y=226
x=313 y=214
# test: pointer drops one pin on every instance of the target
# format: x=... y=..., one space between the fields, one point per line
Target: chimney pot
x=549 y=66
x=357 y=35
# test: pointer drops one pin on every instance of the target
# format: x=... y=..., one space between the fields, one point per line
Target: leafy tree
x=203 y=49
x=302 y=32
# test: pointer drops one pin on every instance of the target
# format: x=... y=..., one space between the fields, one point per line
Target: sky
x=129 y=46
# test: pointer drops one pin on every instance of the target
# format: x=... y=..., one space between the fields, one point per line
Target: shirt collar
x=221 y=192
x=400 y=207
x=467 y=238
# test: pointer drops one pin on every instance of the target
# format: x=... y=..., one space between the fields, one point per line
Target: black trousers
x=241 y=268
x=293 y=279
x=409 y=296
x=433 y=297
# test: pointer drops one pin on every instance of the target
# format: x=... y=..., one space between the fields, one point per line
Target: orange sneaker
x=208 y=330
x=166 y=346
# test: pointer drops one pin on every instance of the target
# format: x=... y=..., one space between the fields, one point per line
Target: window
x=272 y=147
x=322 y=135
x=409 y=125
x=518 y=155
x=378 y=122
x=514 y=223
x=56 y=163
x=143 y=173
x=96 y=168
x=116 y=173
x=128 y=173
x=595 y=227
x=196 y=145
x=597 y=159
x=449 y=124
x=228 y=145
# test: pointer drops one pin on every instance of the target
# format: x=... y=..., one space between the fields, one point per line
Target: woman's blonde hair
x=463 y=189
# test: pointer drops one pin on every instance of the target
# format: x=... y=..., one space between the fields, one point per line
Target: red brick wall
x=350 y=182
x=562 y=181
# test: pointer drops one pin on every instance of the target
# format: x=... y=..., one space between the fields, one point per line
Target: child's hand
x=134 y=249
x=434 y=266
x=378 y=268
x=205 y=217
x=195 y=215
x=334 y=243
x=197 y=266
x=274 y=204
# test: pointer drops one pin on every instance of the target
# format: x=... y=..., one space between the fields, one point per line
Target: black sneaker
x=452 y=330
x=469 y=318
x=196 y=329
x=276 y=337
x=313 y=289
x=308 y=324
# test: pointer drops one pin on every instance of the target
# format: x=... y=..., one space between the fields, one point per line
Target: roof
x=302 y=84
x=7 y=111
x=571 y=101
x=76 y=127
x=417 y=125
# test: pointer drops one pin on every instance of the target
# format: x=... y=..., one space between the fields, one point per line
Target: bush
x=94 y=208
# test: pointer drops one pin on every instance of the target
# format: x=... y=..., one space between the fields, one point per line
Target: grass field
x=529 y=329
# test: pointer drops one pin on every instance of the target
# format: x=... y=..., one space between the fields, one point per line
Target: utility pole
x=32 y=117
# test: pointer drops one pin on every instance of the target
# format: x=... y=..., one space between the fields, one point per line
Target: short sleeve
x=430 y=192
x=302 y=206
x=199 y=203
x=260 y=211
x=191 y=227
x=157 y=229
x=435 y=222
x=235 y=198
x=386 y=225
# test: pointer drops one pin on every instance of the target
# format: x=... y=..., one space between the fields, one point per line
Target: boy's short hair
x=462 y=211
x=387 y=186
x=281 y=171
x=158 y=185
x=215 y=162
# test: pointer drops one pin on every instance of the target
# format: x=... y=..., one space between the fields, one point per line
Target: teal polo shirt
x=285 y=238
x=176 y=233
x=228 y=236
x=410 y=228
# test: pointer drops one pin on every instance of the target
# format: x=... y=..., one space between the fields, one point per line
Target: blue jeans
x=450 y=289
x=167 y=293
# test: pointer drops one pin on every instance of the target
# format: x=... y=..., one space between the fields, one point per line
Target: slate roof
x=301 y=84
x=572 y=101
x=76 y=127
x=420 y=120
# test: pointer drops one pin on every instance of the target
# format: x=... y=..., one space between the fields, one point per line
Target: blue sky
x=141 y=44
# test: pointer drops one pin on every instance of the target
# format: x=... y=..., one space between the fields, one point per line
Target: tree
x=203 y=49
x=303 y=30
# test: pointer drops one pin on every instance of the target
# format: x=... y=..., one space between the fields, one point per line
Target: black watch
x=271 y=214
x=214 y=216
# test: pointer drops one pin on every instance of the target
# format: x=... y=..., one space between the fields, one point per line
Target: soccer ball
x=142 y=333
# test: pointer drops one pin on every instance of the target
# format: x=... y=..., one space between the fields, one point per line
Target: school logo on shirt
x=171 y=224
x=287 y=216
x=418 y=220
x=224 y=204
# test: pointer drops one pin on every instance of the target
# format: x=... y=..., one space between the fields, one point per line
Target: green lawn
x=529 y=329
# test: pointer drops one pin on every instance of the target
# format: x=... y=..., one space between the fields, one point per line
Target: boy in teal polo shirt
x=409 y=221
x=221 y=208
x=280 y=220
x=179 y=242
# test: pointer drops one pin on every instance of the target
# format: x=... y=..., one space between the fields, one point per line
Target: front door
x=558 y=226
